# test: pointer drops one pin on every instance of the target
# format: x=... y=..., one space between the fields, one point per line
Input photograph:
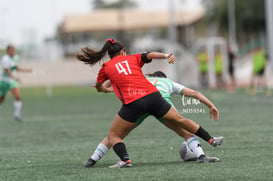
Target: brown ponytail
x=92 y=57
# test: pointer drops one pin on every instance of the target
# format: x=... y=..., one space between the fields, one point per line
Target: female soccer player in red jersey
x=137 y=95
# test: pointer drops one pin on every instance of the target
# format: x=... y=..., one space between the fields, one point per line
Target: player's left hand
x=213 y=112
x=171 y=58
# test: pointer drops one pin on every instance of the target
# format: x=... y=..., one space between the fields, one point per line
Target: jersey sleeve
x=142 y=59
x=177 y=88
x=102 y=75
x=5 y=62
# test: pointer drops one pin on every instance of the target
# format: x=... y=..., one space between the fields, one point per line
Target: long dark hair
x=91 y=57
x=157 y=74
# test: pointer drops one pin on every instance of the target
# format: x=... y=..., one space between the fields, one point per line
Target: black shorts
x=231 y=71
x=261 y=72
x=152 y=103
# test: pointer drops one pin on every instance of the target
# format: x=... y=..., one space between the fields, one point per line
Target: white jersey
x=166 y=87
x=11 y=63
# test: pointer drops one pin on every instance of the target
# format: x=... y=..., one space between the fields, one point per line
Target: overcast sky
x=25 y=20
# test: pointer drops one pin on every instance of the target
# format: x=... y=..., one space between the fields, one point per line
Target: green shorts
x=141 y=119
x=6 y=86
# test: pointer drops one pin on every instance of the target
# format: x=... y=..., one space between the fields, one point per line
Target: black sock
x=121 y=151
x=203 y=134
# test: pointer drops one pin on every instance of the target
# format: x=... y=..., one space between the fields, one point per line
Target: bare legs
x=119 y=130
x=2 y=98
x=172 y=119
x=17 y=103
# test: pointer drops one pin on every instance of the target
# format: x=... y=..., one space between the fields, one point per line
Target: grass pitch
x=60 y=132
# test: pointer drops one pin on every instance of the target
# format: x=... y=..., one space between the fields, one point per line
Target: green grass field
x=59 y=133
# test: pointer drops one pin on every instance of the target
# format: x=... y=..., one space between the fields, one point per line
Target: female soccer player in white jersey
x=8 y=81
x=166 y=88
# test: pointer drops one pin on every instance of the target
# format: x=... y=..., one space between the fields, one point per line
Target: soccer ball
x=185 y=153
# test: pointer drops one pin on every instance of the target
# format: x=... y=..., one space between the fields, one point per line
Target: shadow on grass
x=146 y=164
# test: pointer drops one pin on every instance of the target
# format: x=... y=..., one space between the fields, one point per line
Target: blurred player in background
x=258 y=80
x=218 y=68
x=166 y=88
x=231 y=58
x=9 y=82
x=203 y=59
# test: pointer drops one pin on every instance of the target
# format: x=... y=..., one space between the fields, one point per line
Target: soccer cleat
x=18 y=118
x=206 y=159
x=215 y=141
x=122 y=164
x=89 y=163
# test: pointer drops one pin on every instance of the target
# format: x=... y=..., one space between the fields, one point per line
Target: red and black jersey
x=126 y=77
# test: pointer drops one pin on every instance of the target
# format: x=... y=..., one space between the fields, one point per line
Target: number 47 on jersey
x=123 y=67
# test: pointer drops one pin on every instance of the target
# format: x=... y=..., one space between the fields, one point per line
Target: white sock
x=100 y=151
x=195 y=146
x=17 y=108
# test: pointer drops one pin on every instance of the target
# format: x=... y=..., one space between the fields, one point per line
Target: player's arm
x=213 y=111
x=104 y=87
x=102 y=84
x=157 y=55
x=107 y=86
x=8 y=72
x=20 y=69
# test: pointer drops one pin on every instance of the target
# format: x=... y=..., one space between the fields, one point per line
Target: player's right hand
x=213 y=112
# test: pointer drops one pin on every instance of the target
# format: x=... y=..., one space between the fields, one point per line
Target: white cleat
x=206 y=159
x=122 y=164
